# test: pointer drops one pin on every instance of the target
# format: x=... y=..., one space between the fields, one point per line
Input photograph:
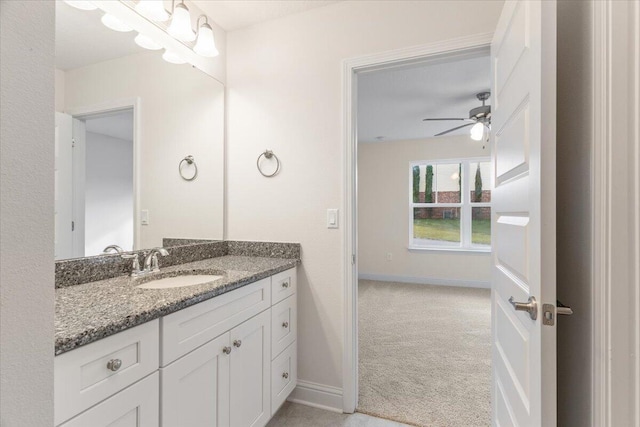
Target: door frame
x=84 y=112
x=350 y=67
x=615 y=212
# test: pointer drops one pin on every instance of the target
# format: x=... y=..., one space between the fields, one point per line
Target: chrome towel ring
x=268 y=154
x=190 y=161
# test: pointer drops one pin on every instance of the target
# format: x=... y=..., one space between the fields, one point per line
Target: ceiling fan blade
x=454 y=129
x=446 y=118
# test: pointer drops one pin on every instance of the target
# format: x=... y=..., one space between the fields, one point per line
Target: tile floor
x=295 y=415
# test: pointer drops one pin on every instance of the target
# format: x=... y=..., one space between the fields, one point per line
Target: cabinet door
x=250 y=372
x=195 y=388
x=135 y=406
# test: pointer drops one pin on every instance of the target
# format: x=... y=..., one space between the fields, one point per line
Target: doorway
x=424 y=278
x=352 y=68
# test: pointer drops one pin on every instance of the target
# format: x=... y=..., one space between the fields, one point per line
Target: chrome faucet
x=151 y=260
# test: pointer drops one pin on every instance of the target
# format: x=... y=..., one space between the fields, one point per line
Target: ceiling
x=118 y=125
x=234 y=14
x=81 y=39
x=392 y=102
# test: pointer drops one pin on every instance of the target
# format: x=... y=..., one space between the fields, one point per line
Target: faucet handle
x=135 y=265
x=154 y=263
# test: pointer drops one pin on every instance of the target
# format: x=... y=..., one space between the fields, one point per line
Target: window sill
x=412 y=248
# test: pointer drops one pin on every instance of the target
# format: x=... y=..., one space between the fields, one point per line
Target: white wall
x=59 y=89
x=26 y=213
x=108 y=193
x=182 y=113
x=284 y=93
x=383 y=214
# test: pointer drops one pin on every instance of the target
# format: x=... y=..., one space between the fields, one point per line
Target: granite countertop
x=90 y=311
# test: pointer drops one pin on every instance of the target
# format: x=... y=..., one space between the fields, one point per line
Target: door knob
x=237 y=343
x=114 y=364
x=226 y=350
x=562 y=309
x=531 y=307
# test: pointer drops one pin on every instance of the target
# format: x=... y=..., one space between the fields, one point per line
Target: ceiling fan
x=479 y=118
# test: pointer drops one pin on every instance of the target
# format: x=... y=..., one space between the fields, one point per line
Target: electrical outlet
x=389 y=256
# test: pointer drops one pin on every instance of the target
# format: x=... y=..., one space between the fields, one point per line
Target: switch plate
x=144 y=217
x=332 y=218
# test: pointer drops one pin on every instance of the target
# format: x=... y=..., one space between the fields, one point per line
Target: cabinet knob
x=285 y=324
x=226 y=350
x=285 y=284
x=285 y=375
x=114 y=364
x=237 y=343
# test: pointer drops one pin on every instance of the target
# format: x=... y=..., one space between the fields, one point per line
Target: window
x=450 y=205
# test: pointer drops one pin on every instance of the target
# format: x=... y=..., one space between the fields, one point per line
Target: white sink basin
x=179 y=281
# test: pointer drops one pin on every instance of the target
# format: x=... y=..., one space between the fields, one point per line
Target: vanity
x=221 y=353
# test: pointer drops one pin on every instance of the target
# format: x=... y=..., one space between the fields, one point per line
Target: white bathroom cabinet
x=229 y=361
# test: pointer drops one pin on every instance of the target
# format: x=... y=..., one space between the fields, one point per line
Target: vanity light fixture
x=180 y=26
x=146 y=42
x=152 y=9
x=205 y=44
x=81 y=4
x=173 y=57
x=115 y=24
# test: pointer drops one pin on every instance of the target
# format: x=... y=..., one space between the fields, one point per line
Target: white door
x=250 y=372
x=195 y=388
x=524 y=250
x=63 y=186
x=135 y=406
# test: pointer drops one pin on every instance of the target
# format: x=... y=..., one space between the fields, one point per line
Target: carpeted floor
x=425 y=354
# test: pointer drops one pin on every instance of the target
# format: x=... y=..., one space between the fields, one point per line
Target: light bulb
x=180 y=26
x=146 y=42
x=152 y=9
x=173 y=57
x=115 y=24
x=81 y=4
x=206 y=45
x=477 y=131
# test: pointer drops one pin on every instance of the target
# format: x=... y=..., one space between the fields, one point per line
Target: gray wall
x=26 y=213
x=574 y=141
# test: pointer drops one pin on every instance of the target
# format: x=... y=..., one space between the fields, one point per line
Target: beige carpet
x=425 y=354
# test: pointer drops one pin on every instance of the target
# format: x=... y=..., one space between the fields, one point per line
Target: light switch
x=332 y=218
x=144 y=217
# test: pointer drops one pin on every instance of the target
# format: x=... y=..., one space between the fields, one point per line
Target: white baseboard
x=426 y=280
x=318 y=396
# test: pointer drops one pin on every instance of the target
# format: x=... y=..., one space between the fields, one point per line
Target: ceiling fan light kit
x=479 y=119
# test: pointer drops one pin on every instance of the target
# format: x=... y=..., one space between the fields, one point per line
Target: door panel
x=250 y=372
x=523 y=222
x=195 y=388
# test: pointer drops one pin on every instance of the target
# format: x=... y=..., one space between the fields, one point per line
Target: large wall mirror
x=125 y=121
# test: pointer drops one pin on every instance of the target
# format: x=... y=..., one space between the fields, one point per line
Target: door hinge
x=73 y=226
x=353 y=259
x=73 y=143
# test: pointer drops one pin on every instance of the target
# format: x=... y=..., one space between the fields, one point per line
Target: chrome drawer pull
x=237 y=343
x=226 y=350
x=114 y=364
x=285 y=324
x=285 y=375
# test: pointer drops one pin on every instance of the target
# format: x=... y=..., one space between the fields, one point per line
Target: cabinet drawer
x=284 y=375
x=283 y=325
x=90 y=374
x=135 y=406
x=194 y=326
x=283 y=285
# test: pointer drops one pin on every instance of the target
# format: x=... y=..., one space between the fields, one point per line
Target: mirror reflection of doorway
x=94 y=183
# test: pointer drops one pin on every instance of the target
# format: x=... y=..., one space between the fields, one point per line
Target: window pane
x=424 y=184
x=479 y=182
x=436 y=226
x=481 y=226
x=448 y=183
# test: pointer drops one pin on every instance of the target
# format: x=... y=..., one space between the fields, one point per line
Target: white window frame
x=465 y=206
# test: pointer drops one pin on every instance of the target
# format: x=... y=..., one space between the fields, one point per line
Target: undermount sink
x=179 y=281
